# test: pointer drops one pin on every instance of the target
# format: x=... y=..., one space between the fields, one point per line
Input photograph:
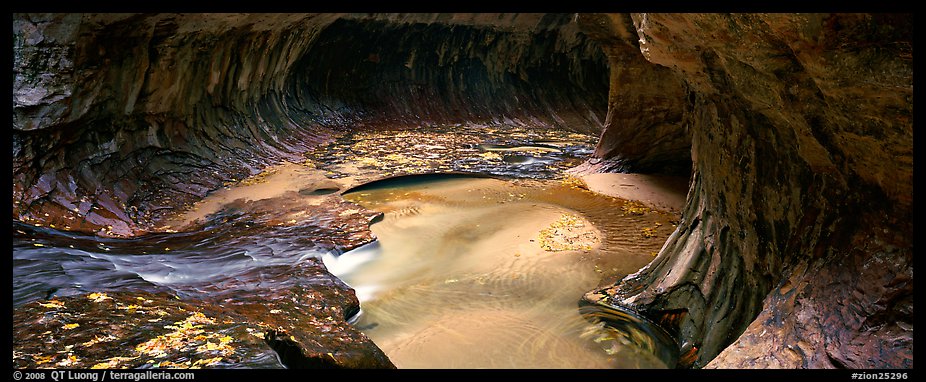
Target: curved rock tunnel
x=795 y=246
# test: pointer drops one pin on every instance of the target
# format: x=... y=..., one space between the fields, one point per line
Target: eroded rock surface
x=120 y=119
x=796 y=243
x=646 y=128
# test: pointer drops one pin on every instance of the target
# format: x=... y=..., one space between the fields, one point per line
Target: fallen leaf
x=52 y=304
x=98 y=297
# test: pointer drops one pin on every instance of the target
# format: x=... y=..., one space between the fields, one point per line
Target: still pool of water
x=460 y=278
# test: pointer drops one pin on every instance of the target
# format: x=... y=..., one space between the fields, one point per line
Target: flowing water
x=467 y=271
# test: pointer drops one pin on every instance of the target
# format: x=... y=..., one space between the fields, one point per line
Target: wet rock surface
x=141 y=330
x=253 y=269
x=121 y=330
x=504 y=151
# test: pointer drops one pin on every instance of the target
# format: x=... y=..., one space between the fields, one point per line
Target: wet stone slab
x=243 y=289
x=134 y=330
x=144 y=330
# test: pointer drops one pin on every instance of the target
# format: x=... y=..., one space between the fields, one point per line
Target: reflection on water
x=459 y=279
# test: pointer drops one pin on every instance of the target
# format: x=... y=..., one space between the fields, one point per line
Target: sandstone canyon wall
x=796 y=244
x=119 y=119
x=795 y=248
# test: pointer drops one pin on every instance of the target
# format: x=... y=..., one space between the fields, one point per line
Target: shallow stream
x=483 y=269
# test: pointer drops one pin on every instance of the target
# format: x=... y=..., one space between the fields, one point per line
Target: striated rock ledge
x=118 y=119
x=795 y=246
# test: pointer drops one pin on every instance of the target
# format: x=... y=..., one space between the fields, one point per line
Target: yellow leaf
x=96 y=340
x=70 y=360
x=43 y=359
x=111 y=363
x=98 y=297
x=70 y=326
x=207 y=361
x=53 y=304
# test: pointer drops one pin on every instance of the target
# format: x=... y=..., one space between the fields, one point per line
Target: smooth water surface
x=459 y=277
